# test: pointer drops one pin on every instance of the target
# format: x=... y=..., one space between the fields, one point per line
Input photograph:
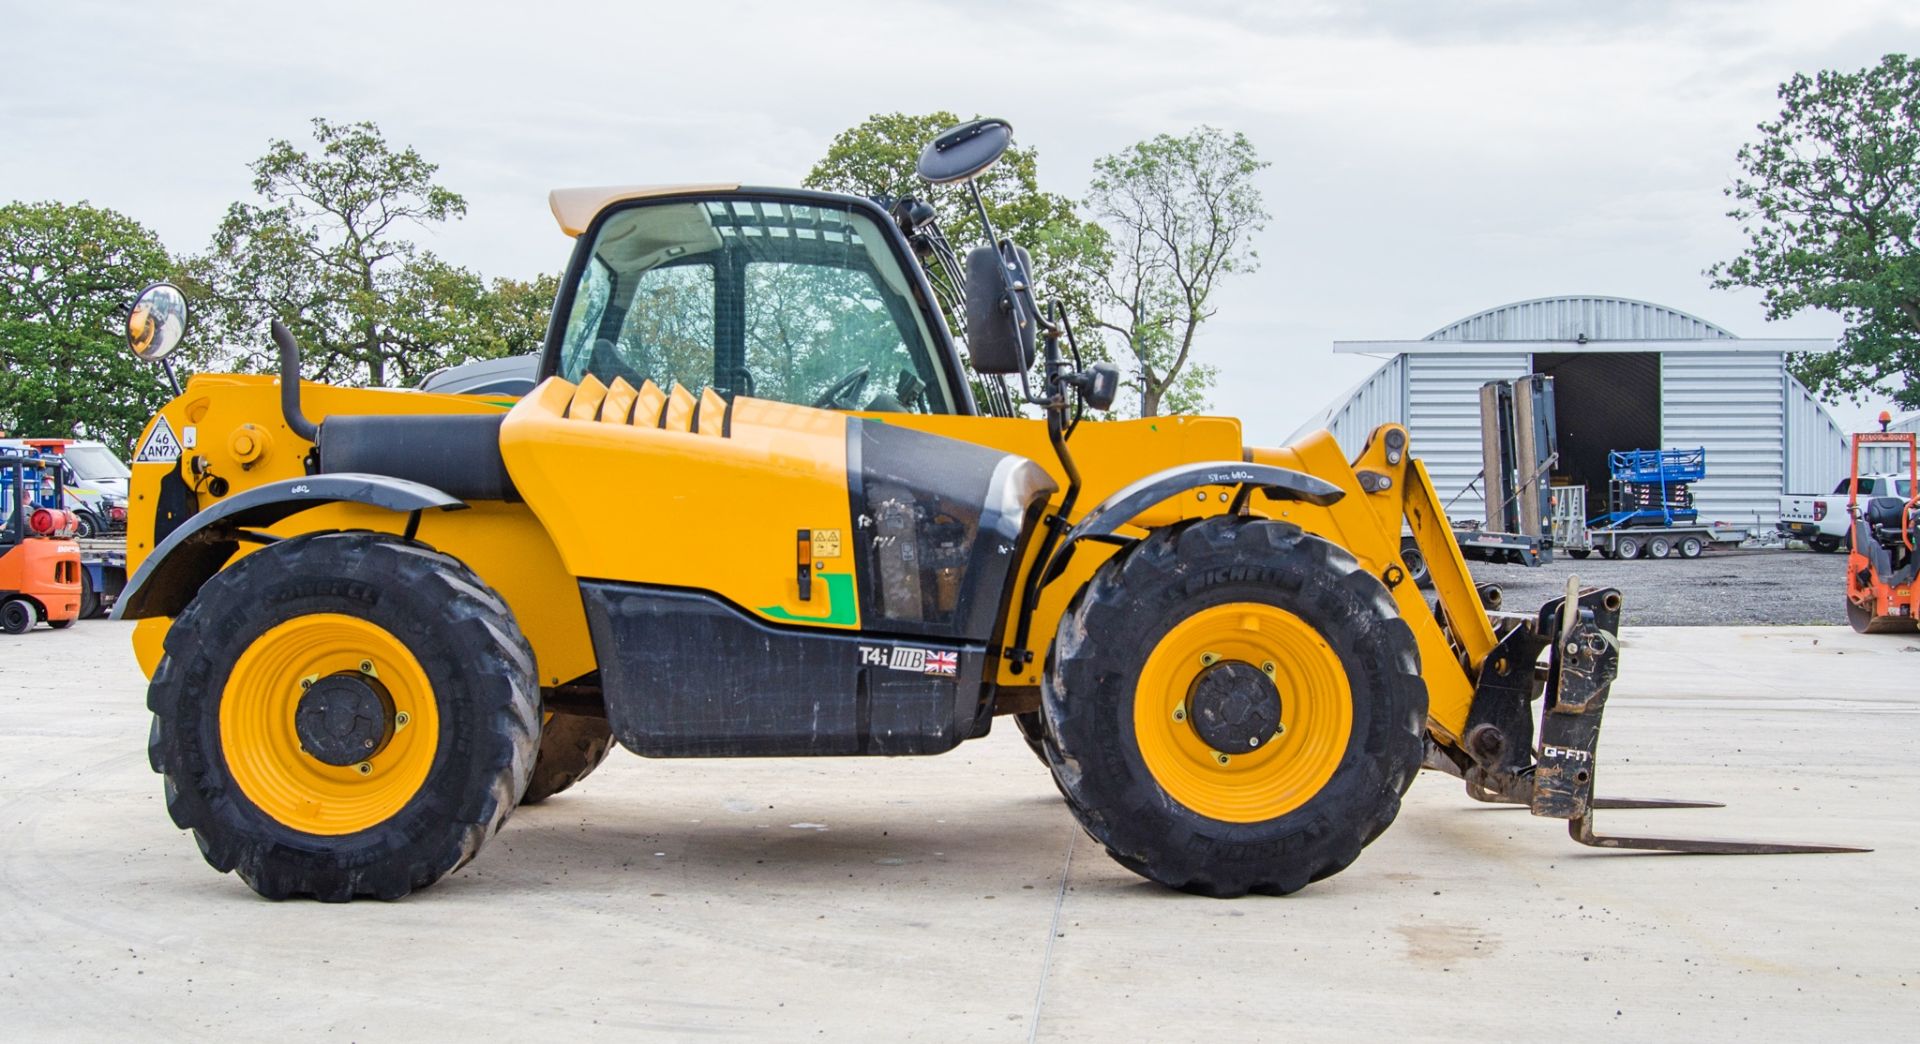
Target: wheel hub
x=344 y=719
x=1234 y=707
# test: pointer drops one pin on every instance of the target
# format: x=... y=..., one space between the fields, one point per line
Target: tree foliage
x=877 y=159
x=1828 y=198
x=1181 y=213
x=324 y=252
x=68 y=274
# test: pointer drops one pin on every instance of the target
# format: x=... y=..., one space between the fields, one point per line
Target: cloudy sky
x=1430 y=159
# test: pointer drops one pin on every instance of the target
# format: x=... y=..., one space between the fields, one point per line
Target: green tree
x=68 y=274
x=877 y=159
x=324 y=252
x=1182 y=213
x=1828 y=199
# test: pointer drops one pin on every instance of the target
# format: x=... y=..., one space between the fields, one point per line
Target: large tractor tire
x=1235 y=706
x=342 y=715
x=571 y=747
x=1033 y=729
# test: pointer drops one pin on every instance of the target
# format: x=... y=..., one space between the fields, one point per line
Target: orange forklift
x=39 y=560
x=1883 y=570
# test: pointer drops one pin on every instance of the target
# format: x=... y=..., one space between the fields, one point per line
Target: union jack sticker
x=945 y=663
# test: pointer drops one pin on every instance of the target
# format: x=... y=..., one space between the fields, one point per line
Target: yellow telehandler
x=376 y=621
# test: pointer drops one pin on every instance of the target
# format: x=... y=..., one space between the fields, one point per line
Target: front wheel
x=1826 y=545
x=1659 y=547
x=1580 y=553
x=1235 y=706
x=1627 y=548
x=1690 y=547
x=343 y=714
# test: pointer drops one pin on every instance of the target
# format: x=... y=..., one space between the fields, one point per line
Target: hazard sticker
x=826 y=543
x=161 y=447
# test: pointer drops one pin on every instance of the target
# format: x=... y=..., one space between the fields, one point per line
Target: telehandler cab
x=376 y=621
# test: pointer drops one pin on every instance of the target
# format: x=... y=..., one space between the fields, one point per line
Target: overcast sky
x=1430 y=159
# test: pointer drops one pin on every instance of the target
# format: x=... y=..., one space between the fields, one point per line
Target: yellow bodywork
x=660 y=487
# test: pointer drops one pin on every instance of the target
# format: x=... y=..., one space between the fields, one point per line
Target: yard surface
x=954 y=898
x=1738 y=586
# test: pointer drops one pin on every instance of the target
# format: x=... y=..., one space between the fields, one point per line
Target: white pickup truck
x=1821 y=519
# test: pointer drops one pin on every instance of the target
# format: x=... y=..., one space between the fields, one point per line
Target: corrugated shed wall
x=1880 y=458
x=1380 y=399
x=1733 y=404
x=1565 y=318
x=1443 y=419
x=1816 y=447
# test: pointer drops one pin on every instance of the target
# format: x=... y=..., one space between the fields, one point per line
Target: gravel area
x=1736 y=586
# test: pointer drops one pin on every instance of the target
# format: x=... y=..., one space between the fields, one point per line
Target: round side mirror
x=157 y=323
x=964 y=151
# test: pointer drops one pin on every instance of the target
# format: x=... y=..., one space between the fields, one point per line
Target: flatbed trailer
x=103 y=574
x=1572 y=535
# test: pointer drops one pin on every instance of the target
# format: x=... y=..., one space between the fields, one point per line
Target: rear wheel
x=1580 y=553
x=1034 y=731
x=18 y=616
x=571 y=747
x=1234 y=706
x=1690 y=547
x=89 y=598
x=1627 y=547
x=1659 y=547
x=1824 y=544
x=1416 y=564
x=343 y=714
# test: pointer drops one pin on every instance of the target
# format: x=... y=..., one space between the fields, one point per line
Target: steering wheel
x=845 y=392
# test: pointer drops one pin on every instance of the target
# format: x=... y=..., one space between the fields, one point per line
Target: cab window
x=796 y=302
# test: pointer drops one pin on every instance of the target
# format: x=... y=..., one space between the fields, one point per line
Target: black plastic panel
x=684 y=674
x=939 y=525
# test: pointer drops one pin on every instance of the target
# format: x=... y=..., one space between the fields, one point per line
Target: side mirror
x=1099 y=385
x=1001 y=324
x=964 y=152
x=157 y=323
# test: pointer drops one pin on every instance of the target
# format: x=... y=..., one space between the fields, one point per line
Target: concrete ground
x=954 y=899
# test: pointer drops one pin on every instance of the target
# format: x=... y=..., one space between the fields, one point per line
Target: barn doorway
x=1603 y=401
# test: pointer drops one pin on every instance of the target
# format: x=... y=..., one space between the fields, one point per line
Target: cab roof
x=575 y=208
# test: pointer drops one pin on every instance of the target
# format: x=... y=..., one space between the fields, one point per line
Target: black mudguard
x=196 y=549
x=1126 y=504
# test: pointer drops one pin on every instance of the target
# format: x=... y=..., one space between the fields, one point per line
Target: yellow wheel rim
x=1286 y=769
x=262 y=745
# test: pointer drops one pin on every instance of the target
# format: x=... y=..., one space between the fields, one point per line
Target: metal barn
x=1627 y=375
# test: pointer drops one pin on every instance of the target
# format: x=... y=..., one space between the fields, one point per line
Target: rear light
x=118 y=514
x=41 y=522
x=1819 y=510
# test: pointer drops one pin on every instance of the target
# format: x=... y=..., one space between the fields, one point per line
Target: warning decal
x=161 y=446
